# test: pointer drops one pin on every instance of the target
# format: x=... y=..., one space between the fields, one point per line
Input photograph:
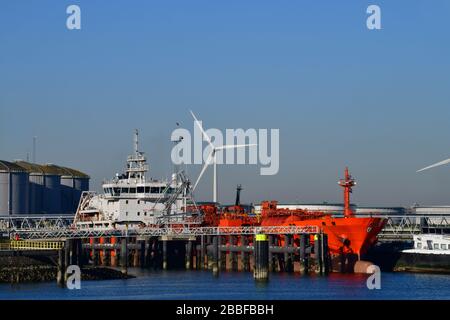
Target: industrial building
x=29 y=188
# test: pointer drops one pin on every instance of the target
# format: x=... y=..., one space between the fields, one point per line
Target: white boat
x=430 y=244
x=131 y=199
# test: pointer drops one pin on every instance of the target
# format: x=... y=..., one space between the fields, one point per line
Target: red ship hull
x=345 y=235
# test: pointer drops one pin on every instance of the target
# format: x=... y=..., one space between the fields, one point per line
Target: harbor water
x=197 y=285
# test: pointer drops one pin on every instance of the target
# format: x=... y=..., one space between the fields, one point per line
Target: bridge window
x=155 y=190
x=124 y=190
x=443 y=246
x=140 y=190
x=147 y=189
x=132 y=190
x=116 y=192
x=139 y=214
x=419 y=245
x=139 y=202
x=436 y=246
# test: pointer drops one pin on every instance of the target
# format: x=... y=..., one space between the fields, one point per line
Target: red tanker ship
x=348 y=234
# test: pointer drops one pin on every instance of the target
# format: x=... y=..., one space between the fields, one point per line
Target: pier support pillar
x=124 y=255
x=222 y=254
x=188 y=255
x=60 y=275
x=288 y=259
x=304 y=243
x=318 y=253
x=325 y=254
x=164 y=255
x=67 y=249
x=95 y=253
x=215 y=255
x=142 y=250
x=244 y=255
x=261 y=253
x=234 y=260
x=203 y=264
x=271 y=257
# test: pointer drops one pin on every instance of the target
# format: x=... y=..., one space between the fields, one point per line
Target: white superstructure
x=132 y=199
x=431 y=244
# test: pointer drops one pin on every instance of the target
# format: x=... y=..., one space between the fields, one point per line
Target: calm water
x=239 y=286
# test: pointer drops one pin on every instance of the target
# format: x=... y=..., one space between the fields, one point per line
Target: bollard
x=261 y=253
x=124 y=256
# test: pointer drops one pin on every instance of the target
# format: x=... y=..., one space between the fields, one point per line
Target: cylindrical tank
x=37 y=186
x=73 y=183
x=52 y=191
x=4 y=192
x=36 y=192
x=14 y=189
x=67 y=193
x=81 y=184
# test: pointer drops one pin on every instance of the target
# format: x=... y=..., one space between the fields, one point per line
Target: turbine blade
x=435 y=165
x=207 y=163
x=201 y=129
x=235 y=146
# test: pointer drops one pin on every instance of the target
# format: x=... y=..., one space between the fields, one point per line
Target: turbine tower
x=435 y=165
x=212 y=158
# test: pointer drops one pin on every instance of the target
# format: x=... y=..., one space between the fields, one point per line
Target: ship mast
x=136 y=163
x=348 y=183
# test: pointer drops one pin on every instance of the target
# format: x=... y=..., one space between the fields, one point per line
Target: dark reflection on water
x=197 y=285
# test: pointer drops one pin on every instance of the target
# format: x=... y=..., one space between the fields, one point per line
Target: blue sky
x=378 y=101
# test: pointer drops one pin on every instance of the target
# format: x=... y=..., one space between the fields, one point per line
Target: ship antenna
x=347 y=183
x=136 y=141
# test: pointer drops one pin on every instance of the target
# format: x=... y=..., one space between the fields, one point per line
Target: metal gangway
x=402 y=228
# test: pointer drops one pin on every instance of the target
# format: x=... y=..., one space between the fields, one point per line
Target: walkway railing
x=24 y=245
x=60 y=227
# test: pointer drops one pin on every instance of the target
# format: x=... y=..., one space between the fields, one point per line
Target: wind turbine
x=435 y=165
x=212 y=158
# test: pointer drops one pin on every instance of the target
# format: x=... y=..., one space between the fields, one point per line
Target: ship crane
x=348 y=183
